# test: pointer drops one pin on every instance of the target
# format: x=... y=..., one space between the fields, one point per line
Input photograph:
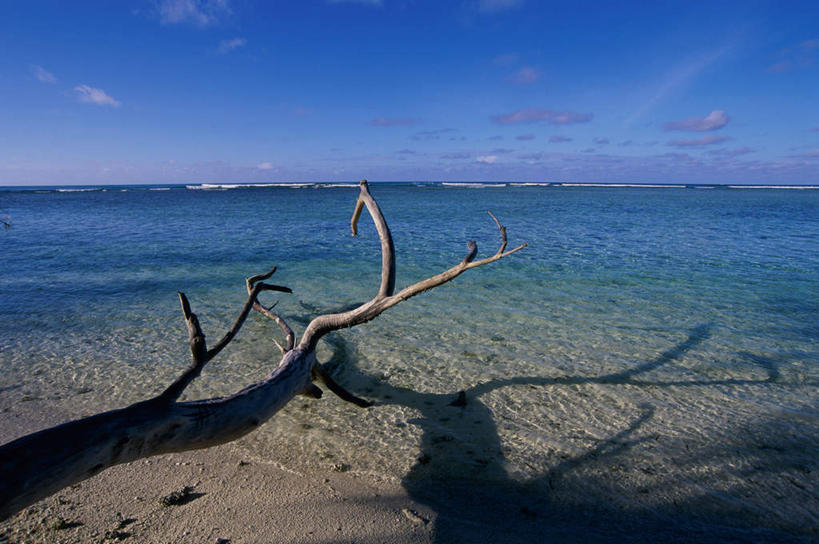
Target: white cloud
x=226 y=46
x=265 y=166
x=197 y=12
x=42 y=75
x=487 y=159
x=713 y=121
x=90 y=95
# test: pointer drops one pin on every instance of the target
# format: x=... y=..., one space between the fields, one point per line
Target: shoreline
x=230 y=495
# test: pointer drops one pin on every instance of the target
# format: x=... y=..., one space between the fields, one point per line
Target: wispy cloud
x=526 y=75
x=265 y=166
x=815 y=129
x=433 y=134
x=456 y=155
x=811 y=155
x=713 y=121
x=711 y=139
x=494 y=6
x=525 y=137
x=557 y=139
x=200 y=13
x=678 y=77
x=731 y=153
x=487 y=159
x=42 y=75
x=226 y=46
x=779 y=67
x=534 y=115
x=391 y=122
x=91 y=95
x=800 y=56
x=601 y=141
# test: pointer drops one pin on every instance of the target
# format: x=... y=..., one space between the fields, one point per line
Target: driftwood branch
x=37 y=465
x=289 y=336
x=385 y=298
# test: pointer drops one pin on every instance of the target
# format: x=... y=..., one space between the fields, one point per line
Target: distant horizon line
x=463 y=184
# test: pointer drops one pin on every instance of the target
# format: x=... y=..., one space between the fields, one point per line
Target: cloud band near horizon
x=535 y=115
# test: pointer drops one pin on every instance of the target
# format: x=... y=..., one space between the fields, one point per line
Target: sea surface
x=653 y=350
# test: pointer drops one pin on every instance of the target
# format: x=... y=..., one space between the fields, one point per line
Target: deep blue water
x=700 y=303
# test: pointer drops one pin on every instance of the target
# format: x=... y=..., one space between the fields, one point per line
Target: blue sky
x=177 y=91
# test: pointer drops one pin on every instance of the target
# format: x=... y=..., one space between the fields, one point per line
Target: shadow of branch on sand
x=476 y=499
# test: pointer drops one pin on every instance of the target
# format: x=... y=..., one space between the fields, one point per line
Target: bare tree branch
x=333 y=386
x=199 y=352
x=35 y=466
x=384 y=300
x=251 y=300
x=290 y=338
x=387 y=249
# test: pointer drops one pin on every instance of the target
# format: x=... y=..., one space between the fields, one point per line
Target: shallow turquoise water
x=697 y=307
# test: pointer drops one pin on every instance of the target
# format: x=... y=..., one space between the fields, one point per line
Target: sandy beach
x=745 y=490
x=223 y=496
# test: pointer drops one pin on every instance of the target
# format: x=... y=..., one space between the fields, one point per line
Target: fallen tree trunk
x=35 y=466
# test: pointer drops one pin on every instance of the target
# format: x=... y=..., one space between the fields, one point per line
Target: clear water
x=668 y=330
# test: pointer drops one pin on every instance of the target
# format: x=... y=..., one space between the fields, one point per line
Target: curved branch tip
x=259 y=277
x=186 y=306
x=473 y=251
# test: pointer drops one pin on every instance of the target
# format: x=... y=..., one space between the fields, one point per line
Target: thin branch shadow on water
x=476 y=500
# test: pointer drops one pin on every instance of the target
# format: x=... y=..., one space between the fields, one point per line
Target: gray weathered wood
x=37 y=465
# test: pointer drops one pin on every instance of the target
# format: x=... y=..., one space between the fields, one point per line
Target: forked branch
x=34 y=466
x=289 y=337
x=385 y=298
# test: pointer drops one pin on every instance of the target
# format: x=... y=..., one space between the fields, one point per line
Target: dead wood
x=37 y=465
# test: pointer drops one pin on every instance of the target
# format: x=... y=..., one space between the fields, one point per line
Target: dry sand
x=229 y=498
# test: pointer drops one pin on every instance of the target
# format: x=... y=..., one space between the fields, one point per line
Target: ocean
x=654 y=349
